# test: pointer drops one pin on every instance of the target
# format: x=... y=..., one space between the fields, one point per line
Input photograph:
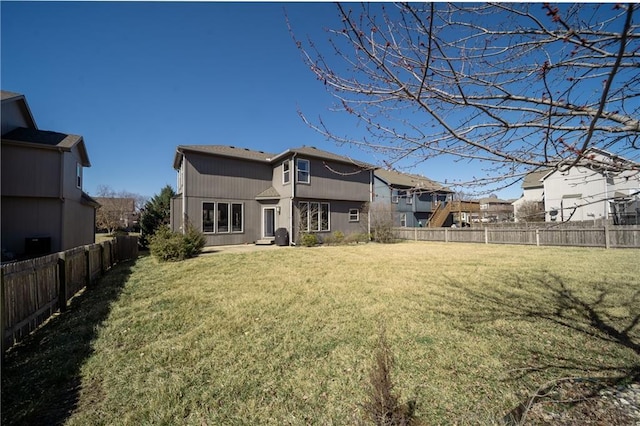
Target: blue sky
x=138 y=79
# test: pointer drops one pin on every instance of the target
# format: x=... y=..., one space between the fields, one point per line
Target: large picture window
x=222 y=217
x=304 y=172
x=236 y=218
x=207 y=217
x=314 y=217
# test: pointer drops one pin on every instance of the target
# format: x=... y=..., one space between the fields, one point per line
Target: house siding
x=338 y=218
x=30 y=171
x=334 y=181
x=213 y=176
x=24 y=217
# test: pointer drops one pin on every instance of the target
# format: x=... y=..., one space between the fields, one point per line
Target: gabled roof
x=224 y=151
x=534 y=179
x=311 y=151
x=393 y=178
x=268 y=194
x=45 y=138
x=261 y=156
x=494 y=200
x=7 y=97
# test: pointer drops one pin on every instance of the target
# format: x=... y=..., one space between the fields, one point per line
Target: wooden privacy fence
x=33 y=290
x=606 y=236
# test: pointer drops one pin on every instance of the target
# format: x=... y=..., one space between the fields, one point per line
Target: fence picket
x=33 y=290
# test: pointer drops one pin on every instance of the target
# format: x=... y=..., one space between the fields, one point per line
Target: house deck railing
x=606 y=236
x=33 y=290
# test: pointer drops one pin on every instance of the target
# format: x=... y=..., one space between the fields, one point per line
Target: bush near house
x=172 y=246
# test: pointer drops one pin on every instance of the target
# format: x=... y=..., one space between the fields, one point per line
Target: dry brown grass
x=288 y=336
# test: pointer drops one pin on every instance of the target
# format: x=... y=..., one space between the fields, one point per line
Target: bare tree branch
x=515 y=86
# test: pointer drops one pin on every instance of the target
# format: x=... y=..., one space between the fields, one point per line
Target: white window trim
x=351 y=215
x=319 y=213
x=286 y=173
x=230 y=205
x=308 y=170
x=409 y=198
x=78 y=175
x=394 y=196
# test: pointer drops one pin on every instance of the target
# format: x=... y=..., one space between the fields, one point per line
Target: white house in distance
x=587 y=193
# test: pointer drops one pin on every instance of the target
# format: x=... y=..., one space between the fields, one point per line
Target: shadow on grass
x=41 y=377
x=601 y=311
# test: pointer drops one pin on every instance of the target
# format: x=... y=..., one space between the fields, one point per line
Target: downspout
x=61 y=196
x=371 y=188
x=183 y=168
x=293 y=194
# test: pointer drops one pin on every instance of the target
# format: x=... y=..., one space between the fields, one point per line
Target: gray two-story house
x=412 y=199
x=239 y=196
x=44 y=208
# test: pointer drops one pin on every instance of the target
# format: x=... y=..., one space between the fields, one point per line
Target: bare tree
x=514 y=86
x=117 y=209
x=530 y=211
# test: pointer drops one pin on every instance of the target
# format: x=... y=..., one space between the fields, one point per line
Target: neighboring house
x=238 y=196
x=532 y=191
x=590 y=193
x=587 y=193
x=116 y=212
x=43 y=206
x=411 y=198
x=493 y=209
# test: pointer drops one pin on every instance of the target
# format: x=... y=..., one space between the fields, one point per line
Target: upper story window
x=409 y=197
x=394 y=196
x=286 y=173
x=79 y=175
x=304 y=172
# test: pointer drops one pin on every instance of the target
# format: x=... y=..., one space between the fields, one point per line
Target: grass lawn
x=288 y=336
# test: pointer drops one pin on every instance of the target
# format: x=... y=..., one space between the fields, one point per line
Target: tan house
x=44 y=208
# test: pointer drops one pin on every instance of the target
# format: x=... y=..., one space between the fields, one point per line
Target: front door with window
x=269 y=222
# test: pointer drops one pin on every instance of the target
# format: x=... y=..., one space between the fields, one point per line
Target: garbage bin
x=282 y=237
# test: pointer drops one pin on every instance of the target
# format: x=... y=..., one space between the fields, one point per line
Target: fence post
x=446 y=235
x=415 y=234
x=486 y=235
x=607 y=243
x=62 y=277
x=537 y=238
x=3 y=313
x=87 y=261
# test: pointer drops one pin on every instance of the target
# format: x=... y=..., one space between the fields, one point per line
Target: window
x=394 y=196
x=236 y=218
x=207 y=217
x=409 y=198
x=285 y=172
x=222 y=217
x=314 y=217
x=354 y=215
x=303 y=170
x=79 y=175
x=403 y=220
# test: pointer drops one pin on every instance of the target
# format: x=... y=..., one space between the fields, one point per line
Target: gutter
x=183 y=170
x=293 y=195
